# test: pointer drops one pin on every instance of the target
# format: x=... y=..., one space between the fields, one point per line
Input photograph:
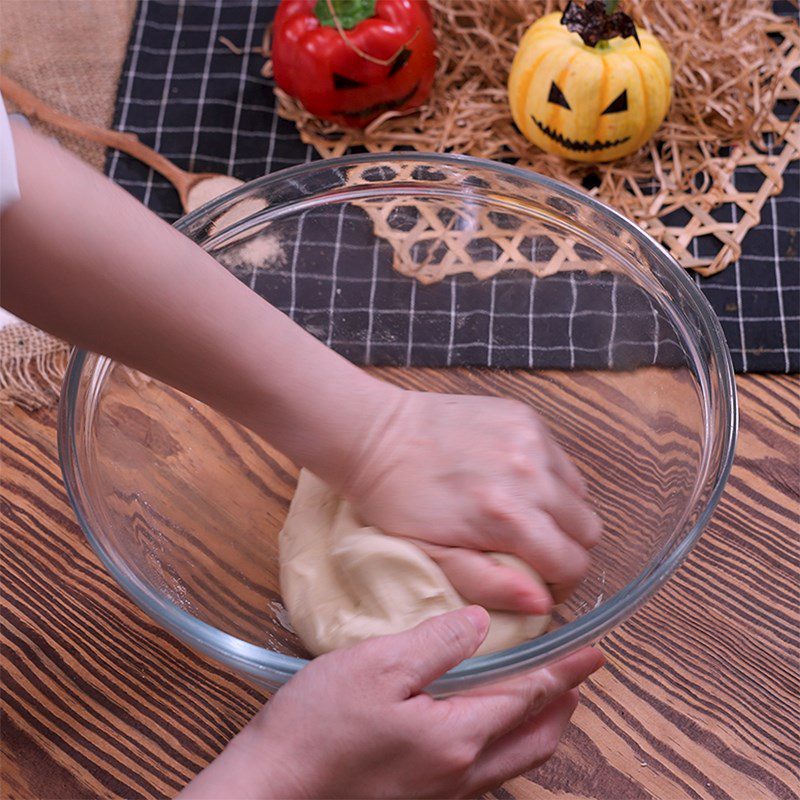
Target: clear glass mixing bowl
x=591 y=323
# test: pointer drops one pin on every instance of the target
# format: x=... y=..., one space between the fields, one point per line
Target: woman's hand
x=459 y=475
x=357 y=723
x=463 y=474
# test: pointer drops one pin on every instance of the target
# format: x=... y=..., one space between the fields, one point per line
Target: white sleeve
x=9 y=186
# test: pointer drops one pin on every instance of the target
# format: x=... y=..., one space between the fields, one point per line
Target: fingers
x=492 y=712
x=424 y=653
x=544 y=444
x=564 y=495
x=536 y=511
x=535 y=537
x=565 y=469
x=523 y=749
x=572 y=515
x=481 y=579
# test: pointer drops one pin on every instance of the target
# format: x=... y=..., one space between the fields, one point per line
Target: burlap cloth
x=69 y=53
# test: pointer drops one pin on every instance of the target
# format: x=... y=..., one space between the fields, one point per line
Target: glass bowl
x=393 y=260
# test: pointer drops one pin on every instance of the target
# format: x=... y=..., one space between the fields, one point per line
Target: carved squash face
x=588 y=103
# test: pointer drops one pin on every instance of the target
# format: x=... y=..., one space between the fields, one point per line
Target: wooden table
x=699 y=698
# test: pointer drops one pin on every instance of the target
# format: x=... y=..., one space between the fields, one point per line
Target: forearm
x=251 y=768
x=85 y=261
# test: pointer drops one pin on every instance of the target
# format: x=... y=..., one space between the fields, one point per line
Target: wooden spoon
x=129 y=143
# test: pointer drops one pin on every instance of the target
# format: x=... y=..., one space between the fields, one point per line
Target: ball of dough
x=343 y=581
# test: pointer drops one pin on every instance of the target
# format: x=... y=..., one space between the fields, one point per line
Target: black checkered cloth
x=189 y=97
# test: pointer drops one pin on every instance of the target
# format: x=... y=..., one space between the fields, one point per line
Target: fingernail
x=535 y=601
x=601 y=659
x=479 y=617
x=595 y=530
x=540 y=605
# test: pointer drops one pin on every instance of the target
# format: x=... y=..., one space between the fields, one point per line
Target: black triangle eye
x=620 y=104
x=557 y=96
x=343 y=82
x=400 y=61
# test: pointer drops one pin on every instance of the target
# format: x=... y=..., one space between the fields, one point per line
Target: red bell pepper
x=351 y=66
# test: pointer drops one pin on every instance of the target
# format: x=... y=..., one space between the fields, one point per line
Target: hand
x=461 y=475
x=458 y=474
x=356 y=723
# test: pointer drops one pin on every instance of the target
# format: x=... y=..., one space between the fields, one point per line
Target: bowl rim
x=273 y=668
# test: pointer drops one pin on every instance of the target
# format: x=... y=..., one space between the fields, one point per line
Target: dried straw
x=732 y=60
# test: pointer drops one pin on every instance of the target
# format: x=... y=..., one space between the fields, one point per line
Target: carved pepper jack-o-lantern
x=349 y=61
x=589 y=85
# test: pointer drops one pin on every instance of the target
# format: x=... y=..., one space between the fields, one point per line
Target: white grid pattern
x=243 y=74
x=410 y=346
x=779 y=288
x=162 y=111
x=293 y=271
x=213 y=33
x=371 y=304
x=571 y=316
x=490 y=338
x=531 y=322
x=614 y=313
x=453 y=308
x=210 y=110
x=337 y=249
x=738 y=274
x=125 y=97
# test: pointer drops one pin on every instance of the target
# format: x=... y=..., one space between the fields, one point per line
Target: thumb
x=440 y=643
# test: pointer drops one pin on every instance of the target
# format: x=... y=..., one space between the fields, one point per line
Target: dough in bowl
x=343 y=581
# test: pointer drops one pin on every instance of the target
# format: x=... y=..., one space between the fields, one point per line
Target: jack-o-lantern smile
x=578 y=147
x=379 y=108
x=556 y=96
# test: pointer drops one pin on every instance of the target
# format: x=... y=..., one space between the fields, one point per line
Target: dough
x=343 y=582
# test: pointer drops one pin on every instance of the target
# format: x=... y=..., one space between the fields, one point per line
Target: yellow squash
x=588 y=103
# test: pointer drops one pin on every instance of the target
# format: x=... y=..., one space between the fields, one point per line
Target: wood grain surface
x=699 y=698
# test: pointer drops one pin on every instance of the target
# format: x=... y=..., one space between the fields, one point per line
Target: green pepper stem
x=347 y=13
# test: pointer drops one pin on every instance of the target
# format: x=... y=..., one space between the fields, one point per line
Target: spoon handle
x=129 y=143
